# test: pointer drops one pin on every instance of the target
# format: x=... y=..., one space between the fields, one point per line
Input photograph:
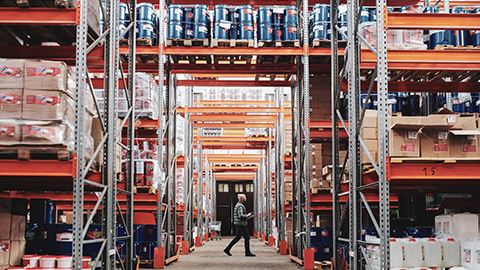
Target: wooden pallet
x=325 y=43
x=279 y=43
x=323 y=265
x=276 y=59
x=146 y=263
x=436 y=160
x=27 y=152
x=192 y=59
x=144 y=189
x=188 y=42
x=451 y=47
x=321 y=190
x=232 y=43
x=40 y=3
x=144 y=42
x=232 y=59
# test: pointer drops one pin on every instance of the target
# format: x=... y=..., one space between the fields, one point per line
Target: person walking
x=240 y=218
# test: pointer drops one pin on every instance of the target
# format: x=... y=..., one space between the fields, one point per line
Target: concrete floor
x=210 y=256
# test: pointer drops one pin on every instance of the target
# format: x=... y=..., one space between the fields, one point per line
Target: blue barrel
x=374 y=101
x=397 y=232
x=188 y=14
x=245 y=31
x=290 y=15
x=412 y=9
x=200 y=31
x=475 y=34
x=342 y=13
x=319 y=30
x=120 y=230
x=221 y=13
x=122 y=248
x=220 y=32
x=414 y=102
x=146 y=29
x=64 y=239
x=175 y=30
x=419 y=232
x=461 y=37
x=364 y=15
x=315 y=236
x=145 y=12
x=278 y=16
x=318 y=253
x=233 y=32
x=94 y=232
x=265 y=15
x=343 y=26
x=320 y=12
x=188 y=29
x=265 y=32
x=200 y=13
x=326 y=236
x=290 y=32
x=151 y=233
x=147 y=250
x=138 y=233
x=122 y=26
x=123 y=12
x=392 y=101
x=234 y=15
x=245 y=13
x=175 y=13
x=277 y=32
x=41 y=211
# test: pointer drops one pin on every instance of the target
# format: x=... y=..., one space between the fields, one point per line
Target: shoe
x=227 y=252
x=250 y=255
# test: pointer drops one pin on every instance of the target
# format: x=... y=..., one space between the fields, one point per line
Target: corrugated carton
x=12 y=73
x=17 y=250
x=40 y=132
x=5 y=247
x=44 y=105
x=45 y=75
x=405 y=136
x=464 y=143
x=435 y=137
x=11 y=103
x=10 y=132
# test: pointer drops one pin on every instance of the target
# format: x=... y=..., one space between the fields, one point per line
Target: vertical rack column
x=189 y=168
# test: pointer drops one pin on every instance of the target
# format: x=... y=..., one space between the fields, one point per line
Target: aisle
x=211 y=256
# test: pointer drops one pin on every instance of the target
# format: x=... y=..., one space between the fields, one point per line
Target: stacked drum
x=188 y=22
x=277 y=23
x=233 y=22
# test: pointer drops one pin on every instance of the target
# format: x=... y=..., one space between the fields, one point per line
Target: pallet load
x=37 y=110
x=13 y=218
x=233 y=26
x=188 y=26
x=277 y=26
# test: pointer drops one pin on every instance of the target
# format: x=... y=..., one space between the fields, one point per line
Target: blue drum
x=221 y=13
x=290 y=15
x=265 y=32
x=245 y=31
x=290 y=32
x=188 y=23
x=277 y=32
x=146 y=29
x=245 y=13
x=200 y=31
x=342 y=26
x=122 y=26
x=319 y=30
x=175 y=30
x=461 y=37
x=200 y=13
x=175 y=13
x=475 y=34
x=234 y=15
x=265 y=15
x=220 y=32
x=123 y=12
x=321 y=12
x=188 y=14
x=342 y=13
x=188 y=29
x=145 y=11
x=364 y=15
x=233 y=33
x=278 y=15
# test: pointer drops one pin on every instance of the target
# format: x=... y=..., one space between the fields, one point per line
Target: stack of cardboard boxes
x=13 y=215
x=320 y=98
x=37 y=104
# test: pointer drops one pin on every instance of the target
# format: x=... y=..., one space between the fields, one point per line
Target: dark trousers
x=240 y=231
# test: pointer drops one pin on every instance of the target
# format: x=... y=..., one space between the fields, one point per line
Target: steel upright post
x=199 y=186
x=268 y=190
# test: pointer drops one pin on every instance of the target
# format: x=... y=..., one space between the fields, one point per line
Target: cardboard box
x=405 y=136
x=370 y=119
x=17 y=250
x=369 y=133
x=44 y=105
x=372 y=146
x=5 y=225
x=464 y=143
x=10 y=132
x=45 y=75
x=4 y=253
x=40 y=132
x=11 y=103
x=435 y=137
x=12 y=73
x=17 y=231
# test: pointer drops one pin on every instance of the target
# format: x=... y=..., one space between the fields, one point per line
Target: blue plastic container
x=364 y=15
x=220 y=32
x=475 y=34
x=319 y=30
x=188 y=29
x=461 y=37
x=392 y=101
x=41 y=211
x=278 y=17
x=343 y=26
x=123 y=12
x=151 y=233
x=320 y=12
x=145 y=12
x=175 y=30
x=419 y=232
x=265 y=32
x=373 y=101
x=120 y=230
x=315 y=236
x=326 y=236
x=122 y=26
x=265 y=15
x=200 y=31
x=290 y=15
x=122 y=248
x=146 y=29
x=290 y=32
x=175 y=13
x=188 y=14
x=342 y=13
x=277 y=32
x=234 y=15
x=94 y=232
x=233 y=32
x=245 y=31
x=138 y=233
x=414 y=102
x=221 y=13
x=64 y=239
x=200 y=13
x=245 y=13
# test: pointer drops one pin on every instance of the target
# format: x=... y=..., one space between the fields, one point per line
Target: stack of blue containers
x=277 y=23
x=188 y=22
x=321 y=240
x=233 y=22
x=320 y=22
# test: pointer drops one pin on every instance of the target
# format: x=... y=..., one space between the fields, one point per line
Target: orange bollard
x=283 y=248
x=308 y=259
x=271 y=241
x=264 y=237
x=159 y=258
x=205 y=237
x=198 y=241
x=185 y=247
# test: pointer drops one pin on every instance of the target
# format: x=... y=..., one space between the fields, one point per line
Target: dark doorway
x=227 y=198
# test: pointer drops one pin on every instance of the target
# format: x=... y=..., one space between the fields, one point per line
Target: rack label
x=469 y=148
x=440 y=147
x=429 y=171
x=407 y=147
x=442 y=135
x=412 y=135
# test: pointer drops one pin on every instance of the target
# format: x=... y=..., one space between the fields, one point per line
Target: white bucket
x=86 y=262
x=30 y=260
x=47 y=261
x=64 y=262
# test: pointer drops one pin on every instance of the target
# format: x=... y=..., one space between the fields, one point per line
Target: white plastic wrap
x=396 y=39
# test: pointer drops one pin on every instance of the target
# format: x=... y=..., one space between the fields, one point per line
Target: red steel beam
x=233 y=83
x=38 y=16
x=443 y=21
x=434 y=87
x=232 y=51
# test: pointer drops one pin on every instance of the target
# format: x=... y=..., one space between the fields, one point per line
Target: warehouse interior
x=132 y=131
